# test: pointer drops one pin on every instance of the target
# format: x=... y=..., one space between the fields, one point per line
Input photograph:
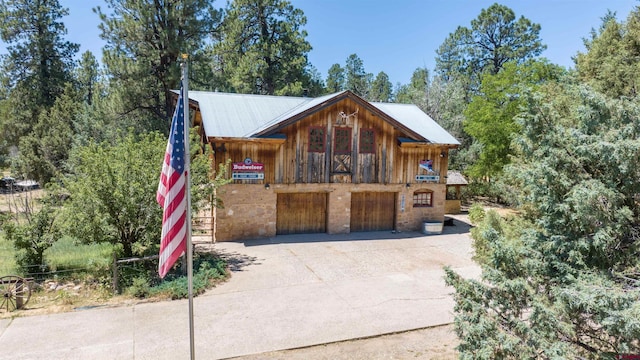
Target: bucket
x=431 y=227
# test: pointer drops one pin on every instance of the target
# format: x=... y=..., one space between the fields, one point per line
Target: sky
x=401 y=35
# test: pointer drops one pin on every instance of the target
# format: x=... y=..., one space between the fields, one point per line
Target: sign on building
x=247 y=170
x=431 y=175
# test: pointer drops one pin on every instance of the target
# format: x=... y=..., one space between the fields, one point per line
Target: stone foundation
x=250 y=209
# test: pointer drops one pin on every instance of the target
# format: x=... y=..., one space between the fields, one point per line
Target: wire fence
x=128 y=266
x=47 y=272
x=120 y=271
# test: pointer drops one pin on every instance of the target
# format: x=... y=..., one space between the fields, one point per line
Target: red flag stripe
x=173 y=213
x=162 y=186
x=174 y=227
x=172 y=194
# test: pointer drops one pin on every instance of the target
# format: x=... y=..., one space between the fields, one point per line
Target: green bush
x=476 y=214
x=207 y=269
x=497 y=191
x=31 y=239
x=140 y=287
x=488 y=228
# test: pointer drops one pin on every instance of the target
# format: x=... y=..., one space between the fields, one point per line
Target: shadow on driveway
x=458 y=227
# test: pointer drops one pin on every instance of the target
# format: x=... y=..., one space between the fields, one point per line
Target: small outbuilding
x=332 y=164
x=455 y=181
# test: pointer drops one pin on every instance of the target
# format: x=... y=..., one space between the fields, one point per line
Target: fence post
x=115 y=273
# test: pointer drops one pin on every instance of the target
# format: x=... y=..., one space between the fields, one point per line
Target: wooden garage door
x=299 y=213
x=372 y=211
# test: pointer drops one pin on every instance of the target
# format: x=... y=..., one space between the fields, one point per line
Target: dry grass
x=21 y=203
x=52 y=297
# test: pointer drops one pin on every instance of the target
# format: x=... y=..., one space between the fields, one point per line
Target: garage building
x=332 y=164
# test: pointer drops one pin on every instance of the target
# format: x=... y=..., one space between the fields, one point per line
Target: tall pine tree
x=381 y=88
x=39 y=61
x=335 y=79
x=494 y=38
x=145 y=39
x=357 y=79
x=262 y=49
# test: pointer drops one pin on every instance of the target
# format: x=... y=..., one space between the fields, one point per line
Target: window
x=367 y=141
x=342 y=141
x=423 y=198
x=316 y=139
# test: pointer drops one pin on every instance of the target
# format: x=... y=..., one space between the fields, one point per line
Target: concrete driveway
x=285 y=292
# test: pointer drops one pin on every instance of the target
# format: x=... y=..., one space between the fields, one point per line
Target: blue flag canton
x=177 y=136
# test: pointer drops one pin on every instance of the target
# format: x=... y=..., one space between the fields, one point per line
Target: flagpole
x=187 y=169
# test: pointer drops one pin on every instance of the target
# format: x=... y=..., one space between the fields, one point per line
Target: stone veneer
x=250 y=209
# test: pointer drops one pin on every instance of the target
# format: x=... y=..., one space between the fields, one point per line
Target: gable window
x=342 y=141
x=316 y=139
x=367 y=141
x=423 y=198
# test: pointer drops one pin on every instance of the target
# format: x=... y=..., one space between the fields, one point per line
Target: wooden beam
x=273 y=141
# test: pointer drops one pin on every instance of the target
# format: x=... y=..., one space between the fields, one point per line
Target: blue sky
x=398 y=37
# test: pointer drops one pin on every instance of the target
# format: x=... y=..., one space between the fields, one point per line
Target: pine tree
x=611 y=63
x=357 y=79
x=262 y=48
x=88 y=77
x=335 y=79
x=444 y=101
x=381 y=88
x=145 y=41
x=494 y=38
x=44 y=151
x=39 y=61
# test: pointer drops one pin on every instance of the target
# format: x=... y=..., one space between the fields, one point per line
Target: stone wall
x=411 y=218
x=250 y=209
x=249 y=212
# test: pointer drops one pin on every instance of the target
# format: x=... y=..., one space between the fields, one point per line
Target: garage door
x=301 y=213
x=373 y=211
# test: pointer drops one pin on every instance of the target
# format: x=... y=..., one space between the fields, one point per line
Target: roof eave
x=263 y=140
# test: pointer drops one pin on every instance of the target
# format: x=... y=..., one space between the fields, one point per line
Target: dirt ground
x=16 y=200
x=424 y=344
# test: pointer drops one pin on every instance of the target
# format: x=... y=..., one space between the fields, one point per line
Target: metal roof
x=241 y=115
x=417 y=120
x=237 y=115
x=305 y=106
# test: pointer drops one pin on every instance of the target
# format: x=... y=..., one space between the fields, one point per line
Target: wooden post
x=213 y=217
x=115 y=274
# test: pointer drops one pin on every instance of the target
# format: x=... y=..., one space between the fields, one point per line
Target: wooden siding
x=291 y=162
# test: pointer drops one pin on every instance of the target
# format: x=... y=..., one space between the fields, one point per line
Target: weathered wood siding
x=291 y=162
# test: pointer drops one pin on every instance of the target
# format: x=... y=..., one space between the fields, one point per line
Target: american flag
x=172 y=193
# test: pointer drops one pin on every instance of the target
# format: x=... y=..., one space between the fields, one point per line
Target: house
x=332 y=164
